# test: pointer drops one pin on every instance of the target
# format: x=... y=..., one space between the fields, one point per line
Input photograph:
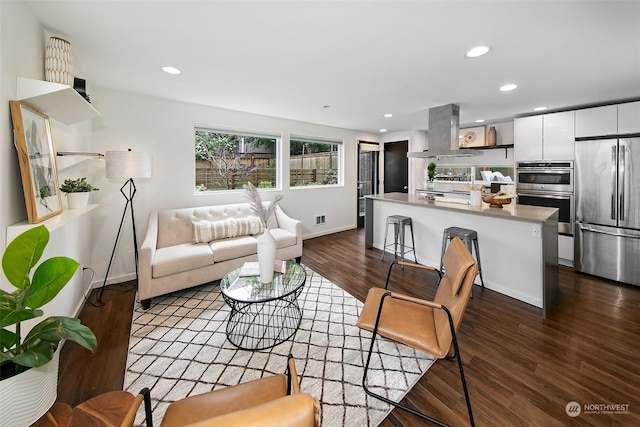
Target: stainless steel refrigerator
x=607 y=203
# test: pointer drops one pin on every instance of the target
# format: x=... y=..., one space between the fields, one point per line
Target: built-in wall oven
x=548 y=184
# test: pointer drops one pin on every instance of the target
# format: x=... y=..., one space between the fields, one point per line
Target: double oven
x=548 y=184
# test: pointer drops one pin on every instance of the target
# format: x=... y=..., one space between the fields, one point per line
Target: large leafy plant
x=32 y=292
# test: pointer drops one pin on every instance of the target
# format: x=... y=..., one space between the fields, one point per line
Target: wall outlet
x=535 y=231
x=321 y=219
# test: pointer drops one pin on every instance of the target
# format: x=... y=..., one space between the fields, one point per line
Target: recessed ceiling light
x=480 y=121
x=388 y=115
x=508 y=87
x=171 y=70
x=539 y=108
x=326 y=106
x=383 y=130
x=477 y=51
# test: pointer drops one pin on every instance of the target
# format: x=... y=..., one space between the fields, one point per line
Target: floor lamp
x=126 y=165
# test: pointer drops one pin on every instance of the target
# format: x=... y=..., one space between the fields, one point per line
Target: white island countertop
x=518 y=243
x=511 y=211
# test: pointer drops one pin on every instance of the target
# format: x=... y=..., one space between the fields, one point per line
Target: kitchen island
x=518 y=244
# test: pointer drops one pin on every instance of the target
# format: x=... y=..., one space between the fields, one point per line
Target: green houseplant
x=29 y=364
x=431 y=171
x=77 y=192
x=18 y=354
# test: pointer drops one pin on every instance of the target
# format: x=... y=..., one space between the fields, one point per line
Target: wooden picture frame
x=472 y=137
x=32 y=139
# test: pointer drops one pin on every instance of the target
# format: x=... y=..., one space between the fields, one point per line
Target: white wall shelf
x=60 y=102
x=52 y=223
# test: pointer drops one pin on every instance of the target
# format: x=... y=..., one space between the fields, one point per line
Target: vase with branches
x=266 y=250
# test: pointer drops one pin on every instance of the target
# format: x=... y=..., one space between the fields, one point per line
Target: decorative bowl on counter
x=496 y=201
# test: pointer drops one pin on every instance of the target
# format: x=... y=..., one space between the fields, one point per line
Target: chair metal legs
x=399 y=405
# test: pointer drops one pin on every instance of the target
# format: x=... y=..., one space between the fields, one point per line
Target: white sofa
x=169 y=260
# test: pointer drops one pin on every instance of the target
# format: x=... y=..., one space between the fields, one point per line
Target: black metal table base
x=262 y=325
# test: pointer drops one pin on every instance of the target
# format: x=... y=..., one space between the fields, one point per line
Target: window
x=314 y=162
x=228 y=160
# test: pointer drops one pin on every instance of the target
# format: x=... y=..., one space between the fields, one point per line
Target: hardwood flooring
x=522 y=370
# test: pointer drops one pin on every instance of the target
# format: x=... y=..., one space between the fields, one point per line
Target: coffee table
x=263 y=315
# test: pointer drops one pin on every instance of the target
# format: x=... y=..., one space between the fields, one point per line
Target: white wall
x=165 y=129
x=22 y=54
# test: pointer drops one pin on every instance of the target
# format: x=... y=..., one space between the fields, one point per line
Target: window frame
x=319 y=140
x=245 y=132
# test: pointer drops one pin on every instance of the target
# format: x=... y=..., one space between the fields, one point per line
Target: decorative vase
x=25 y=397
x=491 y=137
x=78 y=200
x=58 y=63
x=266 y=256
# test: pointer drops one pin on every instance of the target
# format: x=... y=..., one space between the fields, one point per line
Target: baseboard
x=326 y=232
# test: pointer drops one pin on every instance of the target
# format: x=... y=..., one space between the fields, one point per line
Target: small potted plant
x=29 y=364
x=77 y=192
x=431 y=173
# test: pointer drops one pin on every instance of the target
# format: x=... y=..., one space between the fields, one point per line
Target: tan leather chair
x=270 y=401
x=429 y=326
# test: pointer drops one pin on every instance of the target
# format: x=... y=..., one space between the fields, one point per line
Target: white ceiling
x=362 y=58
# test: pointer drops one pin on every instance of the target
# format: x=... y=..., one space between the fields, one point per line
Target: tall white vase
x=266 y=256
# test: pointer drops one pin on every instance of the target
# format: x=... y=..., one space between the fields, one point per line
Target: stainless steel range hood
x=443 y=134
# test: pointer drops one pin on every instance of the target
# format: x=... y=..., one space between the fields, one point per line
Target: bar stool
x=467 y=236
x=399 y=222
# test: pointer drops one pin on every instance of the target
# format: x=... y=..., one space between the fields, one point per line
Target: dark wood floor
x=522 y=370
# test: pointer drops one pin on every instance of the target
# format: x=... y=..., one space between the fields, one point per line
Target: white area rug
x=178 y=348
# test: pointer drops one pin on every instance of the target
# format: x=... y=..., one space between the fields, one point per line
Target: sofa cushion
x=207 y=231
x=283 y=238
x=236 y=247
x=179 y=258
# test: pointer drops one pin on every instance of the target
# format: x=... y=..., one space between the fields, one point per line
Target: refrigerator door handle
x=613 y=183
x=621 y=170
x=608 y=233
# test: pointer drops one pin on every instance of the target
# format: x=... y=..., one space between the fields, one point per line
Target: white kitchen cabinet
x=545 y=137
x=558 y=137
x=629 y=117
x=597 y=121
x=565 y=250
x=527 y=135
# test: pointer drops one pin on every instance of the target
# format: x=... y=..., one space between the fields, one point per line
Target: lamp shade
x=127 y=164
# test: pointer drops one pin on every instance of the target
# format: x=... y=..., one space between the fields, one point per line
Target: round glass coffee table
x=263 y=315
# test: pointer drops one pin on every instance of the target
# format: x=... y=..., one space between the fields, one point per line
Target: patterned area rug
x=178 y=348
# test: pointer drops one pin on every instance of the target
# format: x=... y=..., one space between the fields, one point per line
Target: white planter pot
x=266 y=256
x=26 y=397
x=78 y=200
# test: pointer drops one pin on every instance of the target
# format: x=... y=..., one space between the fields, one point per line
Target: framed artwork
x=472 y=137
x=32 y=138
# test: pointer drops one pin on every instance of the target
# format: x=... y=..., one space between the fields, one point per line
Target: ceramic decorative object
x=266 y=256
x=27 y=396
x=491 y=137
x=266 y=243
x=78 y=200
x=58 y=63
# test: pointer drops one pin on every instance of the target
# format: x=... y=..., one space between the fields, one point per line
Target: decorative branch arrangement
x=256 y=203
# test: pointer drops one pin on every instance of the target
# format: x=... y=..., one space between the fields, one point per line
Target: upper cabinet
x=597 y=121
x=608 y=120
x=58 y=101
x=558 y=136
x=629 y=117
x=545 y=137
x=527 y=135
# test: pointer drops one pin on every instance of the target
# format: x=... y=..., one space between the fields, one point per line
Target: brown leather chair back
x=454 y=289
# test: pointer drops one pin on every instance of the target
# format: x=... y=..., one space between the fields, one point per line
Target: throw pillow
x=207 y=231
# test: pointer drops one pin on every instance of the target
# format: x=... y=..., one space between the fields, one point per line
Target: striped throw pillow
x=207 y=231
